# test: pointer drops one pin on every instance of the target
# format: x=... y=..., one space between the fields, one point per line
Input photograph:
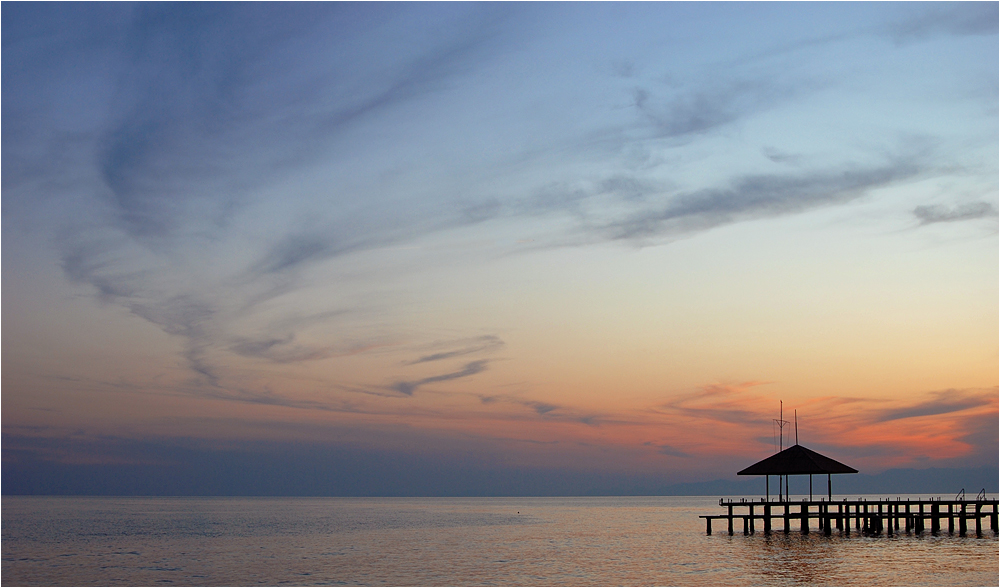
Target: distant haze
x=497 y=248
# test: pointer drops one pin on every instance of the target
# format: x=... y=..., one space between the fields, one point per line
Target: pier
x=883 y=516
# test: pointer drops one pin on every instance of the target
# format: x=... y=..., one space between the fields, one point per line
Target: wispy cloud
x=285 y=350
x=202 y=164
x=548 y=411
x=758 y=196
x=472 y=368
x=210 y=111
x=725 y=403
x=930 y=214
x=928 y=425
x=541 y=408
x=665 y=449
x=942 y=402
x=211 y=106
x=958 y=18
x=486 y=343
x=705 y=106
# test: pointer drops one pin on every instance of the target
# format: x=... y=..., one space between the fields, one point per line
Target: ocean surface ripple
x=616 y=541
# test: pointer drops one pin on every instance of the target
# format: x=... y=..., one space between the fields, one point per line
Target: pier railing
x=870 y=517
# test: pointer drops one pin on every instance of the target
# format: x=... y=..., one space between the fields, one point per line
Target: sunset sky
x=598 y=239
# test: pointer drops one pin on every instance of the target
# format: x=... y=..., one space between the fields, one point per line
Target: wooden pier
x=869 y=517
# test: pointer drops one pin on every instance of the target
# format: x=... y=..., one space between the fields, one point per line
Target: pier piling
x=935 y=521
x=875 y=518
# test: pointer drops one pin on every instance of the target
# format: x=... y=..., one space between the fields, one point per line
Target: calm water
x=449 y=541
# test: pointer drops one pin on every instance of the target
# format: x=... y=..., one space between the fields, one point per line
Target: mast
x=781 y=422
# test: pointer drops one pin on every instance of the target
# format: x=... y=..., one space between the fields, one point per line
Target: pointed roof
x=794 y=461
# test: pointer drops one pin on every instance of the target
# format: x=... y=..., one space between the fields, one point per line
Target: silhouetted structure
x=796 y=461
x=871 y=517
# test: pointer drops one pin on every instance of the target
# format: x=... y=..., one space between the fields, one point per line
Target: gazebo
x=794 y=461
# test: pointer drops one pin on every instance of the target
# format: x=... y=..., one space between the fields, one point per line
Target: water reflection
x=814 y=559
x=510 y=541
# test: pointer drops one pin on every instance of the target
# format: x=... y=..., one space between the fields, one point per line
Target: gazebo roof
x=796 y=460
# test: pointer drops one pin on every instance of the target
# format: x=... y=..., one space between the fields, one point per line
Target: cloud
x=954 y=424
x=199 y=116
x=779 y=156
x=734 y=404
x=548 y=411
x=943 y=402
x=628 y=188
x=285 y=350
x=623 y=68
x=930 y=214
x=85 y=263
x=259 y=348
x=982 y=434
x=281 y=350
x=542 y=408
x=202 y=107
x=959 y=18
x=720 y=403
x=215 y=102
x=757 y=196
x=705 y=107
x=670 y=450
x=188 y=317
x=486 y=343
x=297 y=250
x=628 y=206
x=470 y=369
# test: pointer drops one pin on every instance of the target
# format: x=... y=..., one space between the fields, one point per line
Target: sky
x=401 y=245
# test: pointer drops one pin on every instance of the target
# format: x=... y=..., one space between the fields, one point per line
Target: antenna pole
x=781 y=422
x=796 y=426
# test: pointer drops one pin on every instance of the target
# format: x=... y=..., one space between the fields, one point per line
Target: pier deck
x=871 y=517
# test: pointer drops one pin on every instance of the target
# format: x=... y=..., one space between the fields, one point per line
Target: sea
x=603 y=541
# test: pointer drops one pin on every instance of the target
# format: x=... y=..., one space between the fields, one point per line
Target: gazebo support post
x=796 y=460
